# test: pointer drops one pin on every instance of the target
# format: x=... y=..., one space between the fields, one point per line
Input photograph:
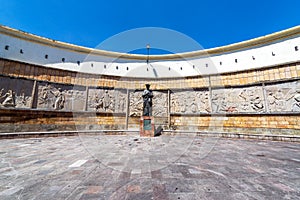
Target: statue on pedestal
x=147 y=101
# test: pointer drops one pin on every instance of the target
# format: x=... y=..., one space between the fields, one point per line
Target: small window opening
x=6 y=47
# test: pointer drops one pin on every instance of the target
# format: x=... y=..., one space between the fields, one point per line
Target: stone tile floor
x=165 y=167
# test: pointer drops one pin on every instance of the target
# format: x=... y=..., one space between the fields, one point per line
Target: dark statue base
x=147 y=126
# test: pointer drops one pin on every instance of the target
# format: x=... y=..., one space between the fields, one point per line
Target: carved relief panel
x=135 y=103
x=15 y=93
x=107 y=100
x=60 y=97
x=160 y=103
x=283 y=97
x=247 y=99
x=190 y=102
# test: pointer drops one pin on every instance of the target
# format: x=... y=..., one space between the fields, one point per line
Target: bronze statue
x=147 y=98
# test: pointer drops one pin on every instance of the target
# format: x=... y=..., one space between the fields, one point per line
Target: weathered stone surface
x=283 y=97
x=60 y=97
x=247 y=99
x=40 y=168
x=190 y=102
x=107 y=100
x=15 y=93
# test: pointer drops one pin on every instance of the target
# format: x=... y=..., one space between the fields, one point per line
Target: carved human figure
x=175 y=104
x=257 y=104
x=136 y=104
x=106 y=100
x=280 y=103
x=1 y=97
x=272 y=101
x=276 y=100
x=147 y=101
x=203 y=103
x=10 y=99
x=60 y=99
x=121 y=104
x=182 y=102
x=215 y=102
x=193 y=107
x=1 y=91
x=22 y=100
x=296 y=104
x=244 y=104
x=98 y=103
x=44 y=94
x=223 y=105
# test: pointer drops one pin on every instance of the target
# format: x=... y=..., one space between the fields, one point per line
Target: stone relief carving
x=120 y=101
x=135 y=103
x=204 y=103
x=283 y=97
x=59 y=97
x=160 y=104
x=9 y=98
x=296 y=104
x=190 y=102
x=280 y=97
x=51 y=97
x=103 y=100
x=15 y=93
x=248 y=99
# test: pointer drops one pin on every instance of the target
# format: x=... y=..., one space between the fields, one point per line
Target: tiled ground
x=166 y=167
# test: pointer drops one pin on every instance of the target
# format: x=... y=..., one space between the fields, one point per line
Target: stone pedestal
x=147 y=126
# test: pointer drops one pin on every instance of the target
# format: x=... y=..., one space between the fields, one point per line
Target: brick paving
x=165 y=167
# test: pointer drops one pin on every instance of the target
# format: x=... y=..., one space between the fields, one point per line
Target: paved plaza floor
x=131 y=167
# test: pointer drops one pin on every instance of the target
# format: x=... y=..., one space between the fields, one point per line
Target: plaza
x=226 y=120
x=63 y=168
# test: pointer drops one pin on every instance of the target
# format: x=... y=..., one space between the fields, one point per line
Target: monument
x=147 y=120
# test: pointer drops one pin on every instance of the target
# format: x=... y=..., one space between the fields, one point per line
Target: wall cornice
x=248 y=44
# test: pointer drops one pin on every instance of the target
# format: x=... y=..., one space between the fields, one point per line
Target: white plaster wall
x=35 y=53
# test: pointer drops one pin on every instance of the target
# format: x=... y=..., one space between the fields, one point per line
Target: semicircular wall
x=250 y=87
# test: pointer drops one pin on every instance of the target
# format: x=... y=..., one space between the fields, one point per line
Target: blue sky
x=210 y=23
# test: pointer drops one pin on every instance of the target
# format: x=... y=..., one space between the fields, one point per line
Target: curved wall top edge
x=271 y=50
x=248 y=44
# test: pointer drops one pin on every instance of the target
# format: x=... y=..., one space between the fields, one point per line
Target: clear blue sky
x=211 y=23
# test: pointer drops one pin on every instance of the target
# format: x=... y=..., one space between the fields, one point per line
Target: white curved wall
x=276 y=53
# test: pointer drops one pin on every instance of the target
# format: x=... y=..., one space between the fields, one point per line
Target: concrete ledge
x=17 y=135
x=286 y=138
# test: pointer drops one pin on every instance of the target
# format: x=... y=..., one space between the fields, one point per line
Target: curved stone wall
x=275 y=49
x=249 y=101
x=252 y=87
